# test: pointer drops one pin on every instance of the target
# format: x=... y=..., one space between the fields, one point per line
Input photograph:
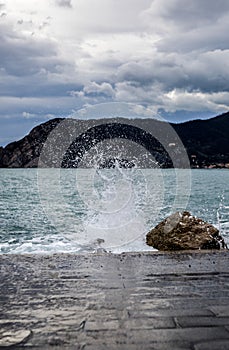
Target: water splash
x=115 y=209
x=223 y=217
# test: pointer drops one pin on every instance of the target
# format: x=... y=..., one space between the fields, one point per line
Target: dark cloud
x=203 y=39
x=185 y=14
x=35 y=86
x=207 y=72
x=22 y=56
x=31 y=67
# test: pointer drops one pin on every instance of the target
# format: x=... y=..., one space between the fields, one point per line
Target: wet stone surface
x=104 y=301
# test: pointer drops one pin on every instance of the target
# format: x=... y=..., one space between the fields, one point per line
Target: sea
x=47 y=211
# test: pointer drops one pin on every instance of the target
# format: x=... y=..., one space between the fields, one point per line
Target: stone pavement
x=131 y=301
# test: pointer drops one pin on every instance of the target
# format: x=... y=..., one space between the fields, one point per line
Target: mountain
x=67 y=141
x=25 y=152
x=206 y=141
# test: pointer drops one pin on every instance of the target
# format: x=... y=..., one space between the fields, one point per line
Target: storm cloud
x=170 y=57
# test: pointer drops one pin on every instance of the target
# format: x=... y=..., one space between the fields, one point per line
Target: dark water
x=67 y=210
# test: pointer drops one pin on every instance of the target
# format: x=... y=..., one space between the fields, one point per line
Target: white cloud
x=197 y=101
x=28 y=115
x=64 y=3
x=94 y=88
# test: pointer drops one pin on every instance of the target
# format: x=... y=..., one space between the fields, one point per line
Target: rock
x=182 y=231
x=14 y=337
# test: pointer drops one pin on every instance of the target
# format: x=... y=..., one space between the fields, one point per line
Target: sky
x=96 y=58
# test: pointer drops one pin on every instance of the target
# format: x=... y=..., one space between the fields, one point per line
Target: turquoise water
x=78 y=210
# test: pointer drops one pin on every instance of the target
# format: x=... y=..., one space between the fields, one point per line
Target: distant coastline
x=205 y=141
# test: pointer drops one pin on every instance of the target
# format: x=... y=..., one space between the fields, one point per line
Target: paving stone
x=149 y=323
x=194 y=321
x=101 y=326
x=128 y=301
x=186 y=334
x=111 y=346
x=157 y=346
x=172 y=312
x=213 y=345
x=220 y=310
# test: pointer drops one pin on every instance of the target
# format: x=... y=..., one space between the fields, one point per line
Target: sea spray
x=223 y=216
x=115 y=211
